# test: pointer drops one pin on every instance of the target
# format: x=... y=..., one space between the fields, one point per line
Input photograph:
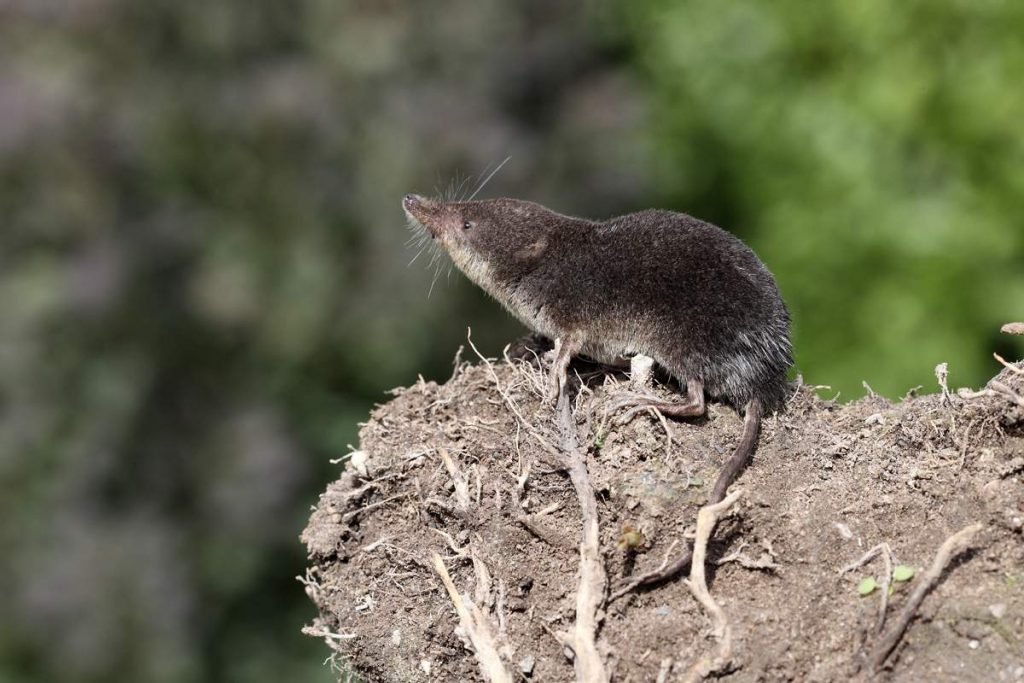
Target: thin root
x=708 y=664
x=885 y=551
x=588 y=662
x=951 y=547
x=461 y=484
x=472 y=621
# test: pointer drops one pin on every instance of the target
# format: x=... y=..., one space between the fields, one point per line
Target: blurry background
x=203 y=270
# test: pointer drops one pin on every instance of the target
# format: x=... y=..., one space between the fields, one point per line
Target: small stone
x=396 y=637
x=640 y=367
x=844 y=531
x=360 y=461
x=998 y=610
x=526 y=665
x=973 y=644
x=425 y=666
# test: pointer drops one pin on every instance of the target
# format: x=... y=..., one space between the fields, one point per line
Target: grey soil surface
x=827 y=483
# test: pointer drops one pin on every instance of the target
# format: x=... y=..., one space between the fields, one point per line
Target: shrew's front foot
x=565 y=349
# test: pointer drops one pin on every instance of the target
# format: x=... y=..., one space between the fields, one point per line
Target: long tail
x=732 y=467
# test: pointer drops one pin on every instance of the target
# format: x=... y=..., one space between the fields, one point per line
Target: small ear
x=533 y=250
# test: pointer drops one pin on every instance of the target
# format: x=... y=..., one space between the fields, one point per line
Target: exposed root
x=475 y=626
x=1007 y=392
x=483 y=595
x=951 y=547
x=542 y=531
x=668 y=433
x=708 y=664
x=458 y=478
x=1008 y=365
x=995 y=388
x=885 y=551
x=765 y=562
x=664 y=670
x=588 y=662
x=512 y=405
x=331 y=639
x=352 y=514
x=663 y=572
x=311 y=583
x=942 y=375
x=965 y=444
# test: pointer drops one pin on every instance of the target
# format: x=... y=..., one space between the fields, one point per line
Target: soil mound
x=469 y=474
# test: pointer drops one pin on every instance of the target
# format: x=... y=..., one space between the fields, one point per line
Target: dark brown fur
x=682 y=291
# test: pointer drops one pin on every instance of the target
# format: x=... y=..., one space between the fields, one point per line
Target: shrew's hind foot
x=634 y=403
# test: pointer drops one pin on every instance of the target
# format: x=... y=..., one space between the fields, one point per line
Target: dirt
x=828 y=482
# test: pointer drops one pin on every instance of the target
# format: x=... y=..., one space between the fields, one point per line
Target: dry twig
x=942 y=374
x=472 y=621
x=664 y=670
x=707 y=518
x=765 y=562
x=885 y=551
x=951 y=547
x=352 y=514
x=1008 y=365
x=461 y=484
x=1006 y=392
x=588 y=662
x=331 y=639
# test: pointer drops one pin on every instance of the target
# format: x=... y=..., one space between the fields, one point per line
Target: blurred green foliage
x=870 y=152
x=203 y=283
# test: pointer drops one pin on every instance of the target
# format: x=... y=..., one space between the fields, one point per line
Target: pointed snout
x=421 y=210
x=411 y=201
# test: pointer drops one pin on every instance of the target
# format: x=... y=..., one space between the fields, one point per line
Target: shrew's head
x=491 y=240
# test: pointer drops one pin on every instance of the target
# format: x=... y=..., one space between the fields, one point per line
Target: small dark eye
x=467 y=225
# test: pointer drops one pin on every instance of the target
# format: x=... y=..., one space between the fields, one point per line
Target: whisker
x=464 y=186
x=488 y=179
x=433 y=281
x=454 y=187
x=415 y=257
x=483 y=174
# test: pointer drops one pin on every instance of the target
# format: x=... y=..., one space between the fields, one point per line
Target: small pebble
x=973 y=644
x=359 y=460
x=526 y=665
x=844 y=531
x=998 y=610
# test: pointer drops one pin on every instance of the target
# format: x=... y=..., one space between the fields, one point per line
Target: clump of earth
x=463 y=471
